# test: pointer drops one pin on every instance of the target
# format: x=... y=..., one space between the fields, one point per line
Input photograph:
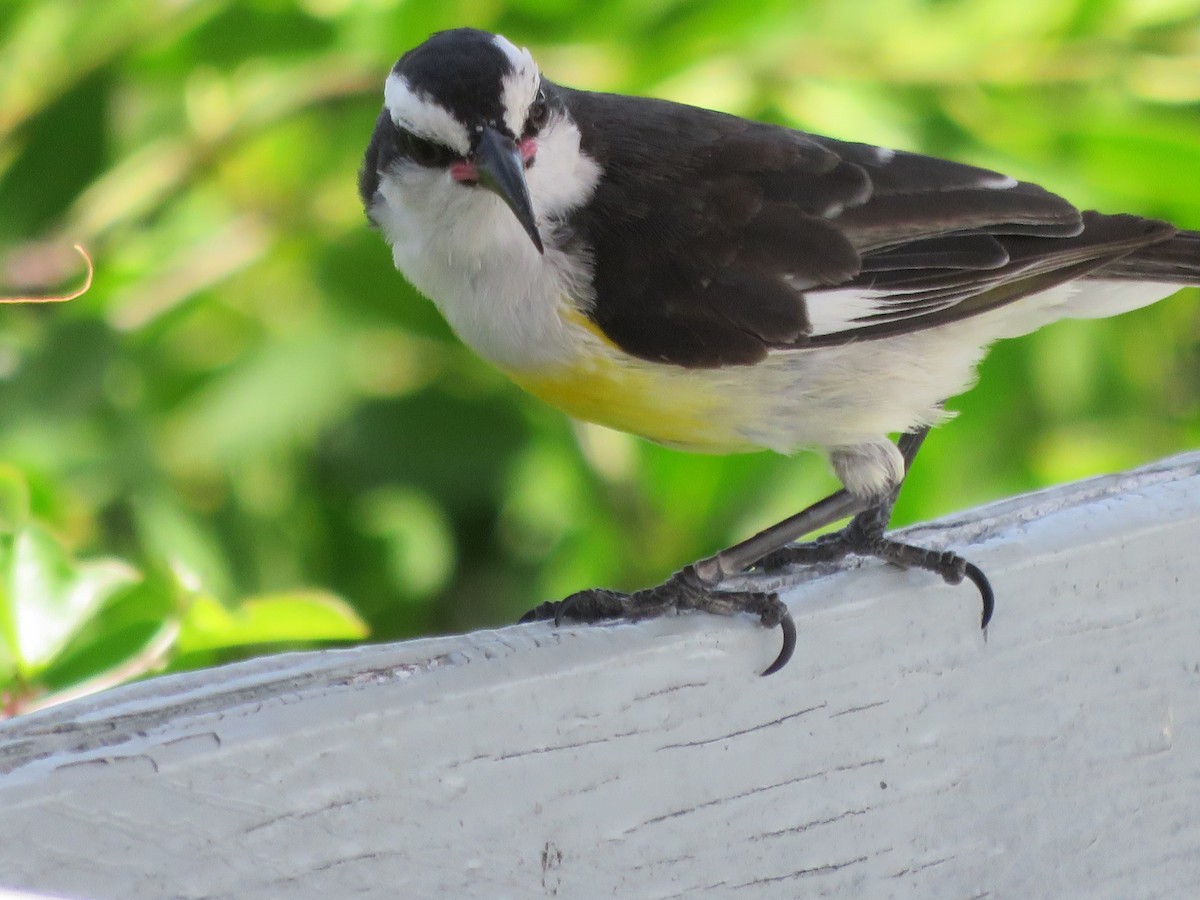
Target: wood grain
x=901 y=754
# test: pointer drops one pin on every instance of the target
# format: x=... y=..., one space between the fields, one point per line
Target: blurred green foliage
x=255 y=433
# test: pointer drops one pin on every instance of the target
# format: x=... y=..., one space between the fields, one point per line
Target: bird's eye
x=422 y=151
x=539 y=112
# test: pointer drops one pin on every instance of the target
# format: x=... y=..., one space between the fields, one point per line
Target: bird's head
x=465 y=114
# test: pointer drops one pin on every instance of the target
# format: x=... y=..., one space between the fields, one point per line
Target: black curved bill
x=501 y=170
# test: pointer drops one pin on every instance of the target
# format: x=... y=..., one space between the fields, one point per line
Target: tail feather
x=1173 y=261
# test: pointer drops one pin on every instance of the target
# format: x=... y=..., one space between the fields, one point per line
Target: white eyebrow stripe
x=520 y=86
x=516 y=57
x=423 y=116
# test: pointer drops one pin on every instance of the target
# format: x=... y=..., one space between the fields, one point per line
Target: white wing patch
x=998 y=183
x=846 y=309
x=830 y=312
x=422 y=116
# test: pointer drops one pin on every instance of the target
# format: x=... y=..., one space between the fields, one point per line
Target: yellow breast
x=668 y=404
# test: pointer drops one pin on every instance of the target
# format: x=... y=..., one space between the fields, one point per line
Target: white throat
x=464 y=249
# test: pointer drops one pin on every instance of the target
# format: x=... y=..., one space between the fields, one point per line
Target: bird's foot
x=684 y=590
x=864 y=537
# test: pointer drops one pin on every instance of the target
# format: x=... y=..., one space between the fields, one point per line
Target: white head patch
x=520 y=86
x=423 y=116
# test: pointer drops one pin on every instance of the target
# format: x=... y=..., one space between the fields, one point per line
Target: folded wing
x=716 y=240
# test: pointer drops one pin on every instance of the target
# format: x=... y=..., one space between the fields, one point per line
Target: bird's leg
x=695 y=586
x=864 y=536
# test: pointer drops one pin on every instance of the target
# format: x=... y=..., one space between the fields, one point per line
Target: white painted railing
x=900 y=754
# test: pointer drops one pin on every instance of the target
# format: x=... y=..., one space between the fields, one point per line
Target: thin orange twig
x=61 y=298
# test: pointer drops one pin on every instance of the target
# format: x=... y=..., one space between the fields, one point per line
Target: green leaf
x=132 y=634
x=46 y=596
x=124 y=654
x=14 y=499
x=269 y=619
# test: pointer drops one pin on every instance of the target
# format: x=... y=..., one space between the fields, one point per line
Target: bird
x=722 y=285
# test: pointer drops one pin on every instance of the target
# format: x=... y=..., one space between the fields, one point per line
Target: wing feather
x=715 y=240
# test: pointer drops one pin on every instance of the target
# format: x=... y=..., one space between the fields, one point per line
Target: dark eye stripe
x=539 y=112
x=422 y=151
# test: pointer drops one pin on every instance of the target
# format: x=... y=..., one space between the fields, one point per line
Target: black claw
x=980 y=581
x=789 y=645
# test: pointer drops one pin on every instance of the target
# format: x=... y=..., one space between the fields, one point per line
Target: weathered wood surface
x=900 y=754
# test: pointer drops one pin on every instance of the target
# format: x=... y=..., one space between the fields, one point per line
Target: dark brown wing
x=712 y=237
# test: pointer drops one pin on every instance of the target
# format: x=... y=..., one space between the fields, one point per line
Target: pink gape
x=464 y=169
